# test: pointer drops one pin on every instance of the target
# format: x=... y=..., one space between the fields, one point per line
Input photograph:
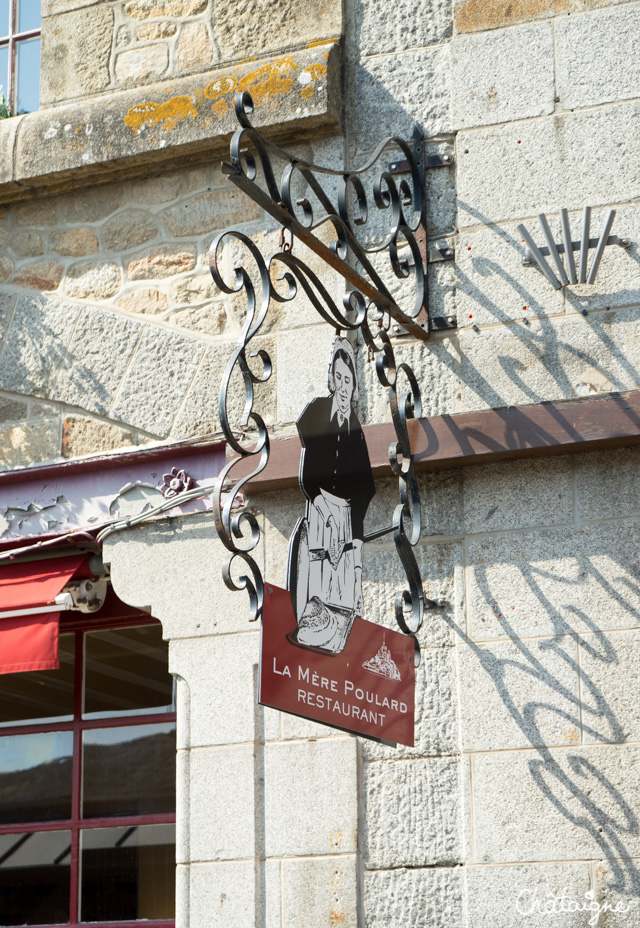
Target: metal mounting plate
x=429 y=161
x=436 y=324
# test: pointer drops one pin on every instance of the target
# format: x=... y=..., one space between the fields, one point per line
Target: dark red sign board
x=367 y=689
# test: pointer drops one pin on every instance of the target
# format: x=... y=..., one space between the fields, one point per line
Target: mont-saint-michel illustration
x=383 y=664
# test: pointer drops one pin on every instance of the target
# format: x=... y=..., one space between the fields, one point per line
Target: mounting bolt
x=393 y=167
x=448 y=252
x=446 y=157
x=396 y=328
x=451 y=320
x=583 y=312
x=625 y=242
x=525 y=320
x=475 y=328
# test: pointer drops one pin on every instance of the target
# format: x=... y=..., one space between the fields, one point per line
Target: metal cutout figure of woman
x=325 y=550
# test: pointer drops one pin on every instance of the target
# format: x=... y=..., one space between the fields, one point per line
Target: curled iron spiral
x=368 y=307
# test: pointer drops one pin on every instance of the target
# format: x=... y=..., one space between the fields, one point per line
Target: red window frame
x=76 y=824
x=11 y=40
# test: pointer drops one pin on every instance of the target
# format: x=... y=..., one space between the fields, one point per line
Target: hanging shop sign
x=324 y=654
x=366 y=688
x=319 y=657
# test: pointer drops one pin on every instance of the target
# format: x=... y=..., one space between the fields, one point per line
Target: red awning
x=31 y=642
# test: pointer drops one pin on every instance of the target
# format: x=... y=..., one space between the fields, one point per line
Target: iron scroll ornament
x=368 y=308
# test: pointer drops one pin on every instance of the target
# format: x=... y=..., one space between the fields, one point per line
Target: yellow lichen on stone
x=308 y=76
x=316 y=43
x=315 y=71
x=269 y=81
x=264 y=84
x=219 y=108
x=166 y=115
x=220 y=86
x=216 y=90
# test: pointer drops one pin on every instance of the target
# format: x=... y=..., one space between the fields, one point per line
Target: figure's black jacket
x=335 y=459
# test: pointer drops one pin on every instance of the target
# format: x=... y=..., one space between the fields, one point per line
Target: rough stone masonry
x=519 y=805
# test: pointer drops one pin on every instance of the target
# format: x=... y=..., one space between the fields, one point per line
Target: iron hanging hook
x=286 y=246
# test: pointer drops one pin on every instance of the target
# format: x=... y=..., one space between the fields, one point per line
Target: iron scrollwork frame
x=368 y=308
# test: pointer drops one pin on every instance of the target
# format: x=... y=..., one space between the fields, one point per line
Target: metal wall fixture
x=537 y=256
x=339 y=235
x=432 y=252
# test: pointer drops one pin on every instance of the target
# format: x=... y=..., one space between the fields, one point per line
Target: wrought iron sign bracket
x=431 y=252
x=373 y=290
x=278 y=211
x=368 y=257
x=280 y=206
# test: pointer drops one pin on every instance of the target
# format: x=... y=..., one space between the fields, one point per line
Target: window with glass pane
x=87 y=784
x=20 y=22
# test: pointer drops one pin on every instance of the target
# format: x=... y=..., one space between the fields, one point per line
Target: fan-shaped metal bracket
x=536 y=256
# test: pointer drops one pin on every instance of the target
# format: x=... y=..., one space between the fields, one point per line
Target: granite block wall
x=527 y=699
x=523 y=782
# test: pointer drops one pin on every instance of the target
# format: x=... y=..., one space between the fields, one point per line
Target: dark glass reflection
x=34 y=878
x=127 y=671
x=35 y=777
x=43 y=695
x=128 y=873
x=129 y=771
x=27 y=76
x=28 y=15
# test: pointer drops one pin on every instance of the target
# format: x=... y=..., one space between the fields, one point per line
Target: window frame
x=78 y=625
x=10 y=40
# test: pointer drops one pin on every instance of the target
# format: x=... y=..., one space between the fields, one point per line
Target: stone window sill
x=130 y=132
